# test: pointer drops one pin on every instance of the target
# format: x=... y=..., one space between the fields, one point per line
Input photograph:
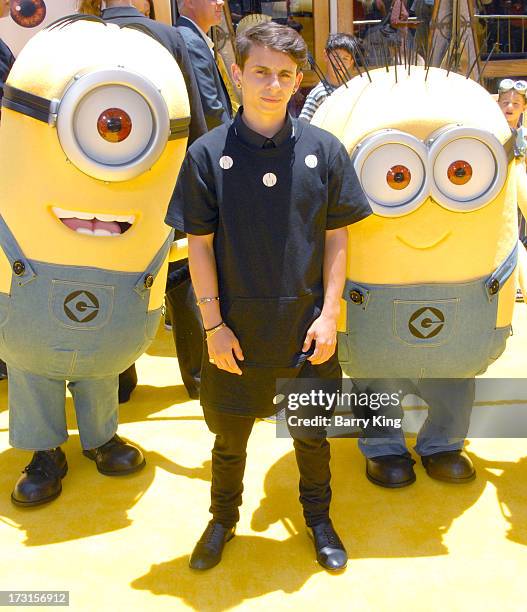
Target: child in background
x=339 y=55
x=512 y=101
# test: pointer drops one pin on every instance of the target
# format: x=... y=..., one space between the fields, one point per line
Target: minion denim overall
x=403 y=337
x=54 y=328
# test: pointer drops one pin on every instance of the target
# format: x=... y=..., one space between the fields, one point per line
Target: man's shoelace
x=213 y=534
x=42 y=462
x=331 y=538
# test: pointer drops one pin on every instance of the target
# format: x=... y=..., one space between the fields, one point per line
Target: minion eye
x=469 y=168
x=113 y=124
x=28 y=13
x=392 y=189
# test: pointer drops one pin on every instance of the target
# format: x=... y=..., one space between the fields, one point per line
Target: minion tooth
x=102 y=217
x=62 y=213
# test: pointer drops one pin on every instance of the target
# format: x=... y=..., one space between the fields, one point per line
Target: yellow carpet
x=123 y=543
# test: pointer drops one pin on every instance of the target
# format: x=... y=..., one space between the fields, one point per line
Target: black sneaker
x=330 y=550
x=41 y=479
x=208 y=550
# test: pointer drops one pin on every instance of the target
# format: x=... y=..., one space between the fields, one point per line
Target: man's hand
x=324 y=332
x=223 y=346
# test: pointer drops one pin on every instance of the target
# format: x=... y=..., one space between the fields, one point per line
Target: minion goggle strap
x=29 y=104
x=112 y=124
x=461 y=168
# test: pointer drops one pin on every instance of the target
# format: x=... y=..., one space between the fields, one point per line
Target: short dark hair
x=273 y=36
x=152 y=9
x=345 y=42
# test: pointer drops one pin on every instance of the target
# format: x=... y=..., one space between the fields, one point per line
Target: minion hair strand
x=67 y=20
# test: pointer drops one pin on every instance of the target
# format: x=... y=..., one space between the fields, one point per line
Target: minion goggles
x=113 y=124
x=461 y=168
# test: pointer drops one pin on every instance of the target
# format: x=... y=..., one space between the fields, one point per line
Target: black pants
x=228 y=466
x=187 y=328
x=312 y=453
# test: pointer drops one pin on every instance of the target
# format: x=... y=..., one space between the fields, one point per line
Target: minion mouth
x=94 y=224
x=422 y=247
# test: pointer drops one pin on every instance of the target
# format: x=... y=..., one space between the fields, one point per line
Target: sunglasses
x=508 y=84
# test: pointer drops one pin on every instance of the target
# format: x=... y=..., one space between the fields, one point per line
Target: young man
x=265 y=203
x=339 y=53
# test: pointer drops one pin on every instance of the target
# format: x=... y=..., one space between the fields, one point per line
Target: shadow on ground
x=373 y=523
x=90 y=503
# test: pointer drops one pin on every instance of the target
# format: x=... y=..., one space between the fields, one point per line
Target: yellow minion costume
x=431 y=274
x=94 y=129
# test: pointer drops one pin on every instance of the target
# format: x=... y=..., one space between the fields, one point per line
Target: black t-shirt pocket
x=271 y=331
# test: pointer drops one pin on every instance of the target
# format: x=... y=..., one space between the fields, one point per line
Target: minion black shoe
x=116 y=457
x=450 y=466
x=330 y=550
x=391 y=471
x=207 y=552
x=41 y=479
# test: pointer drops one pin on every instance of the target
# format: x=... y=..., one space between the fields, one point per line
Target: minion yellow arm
x=178 y=250
x=521 y=191
x=522 y=270
x=521 y=186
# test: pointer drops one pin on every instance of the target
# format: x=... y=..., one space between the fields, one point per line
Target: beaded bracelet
x=211 y=331
x=205 y=300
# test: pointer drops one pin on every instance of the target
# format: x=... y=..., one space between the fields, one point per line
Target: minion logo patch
x=81 y=306
x=426 y=322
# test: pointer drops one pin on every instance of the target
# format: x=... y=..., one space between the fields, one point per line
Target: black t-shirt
x=268 y=203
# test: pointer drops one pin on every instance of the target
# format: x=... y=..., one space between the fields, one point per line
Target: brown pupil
x=114 y=125
x=459 y=172
x=398 y=177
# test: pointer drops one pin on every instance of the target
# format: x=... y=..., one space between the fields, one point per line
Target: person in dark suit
x=123 y=13
x=195 y=20
x=187 y=329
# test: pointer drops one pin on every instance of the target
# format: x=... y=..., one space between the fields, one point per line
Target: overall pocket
x=499 y=340
x=271 y=331
x=152 y=324
x=81 y=305
x=4 y=307
x=425 y=323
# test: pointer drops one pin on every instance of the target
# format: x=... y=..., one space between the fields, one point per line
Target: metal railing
x=505 y=33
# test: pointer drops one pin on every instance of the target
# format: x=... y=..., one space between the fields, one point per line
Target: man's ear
x=298 y=80
x=236 y=72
